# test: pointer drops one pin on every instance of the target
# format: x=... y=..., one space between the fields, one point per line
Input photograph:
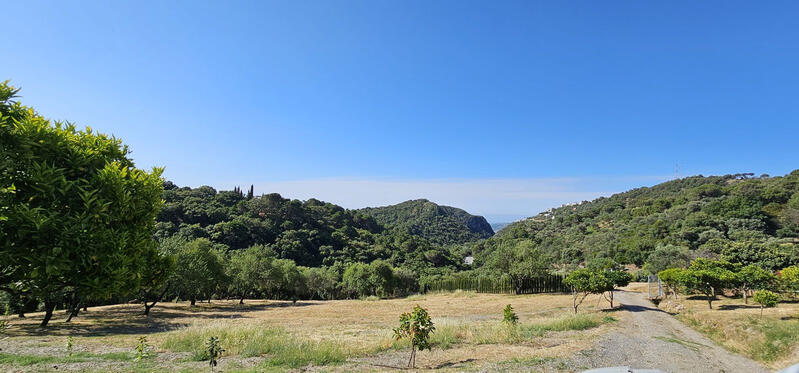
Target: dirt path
x=650 y=338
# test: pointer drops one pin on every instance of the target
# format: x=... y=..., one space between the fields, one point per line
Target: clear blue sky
x=542 y=102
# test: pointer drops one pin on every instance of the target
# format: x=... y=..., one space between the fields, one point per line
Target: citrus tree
x=415 y=326
x=789 y=278
x=78 y=217
x=766 y=299
x=583 y=282
x=708 y=277
x=753 y=277
x=673 y=278
x=619 y=279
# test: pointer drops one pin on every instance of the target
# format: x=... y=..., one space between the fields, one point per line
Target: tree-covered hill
x=312 y=232
x=740 y=218
x=439 y=224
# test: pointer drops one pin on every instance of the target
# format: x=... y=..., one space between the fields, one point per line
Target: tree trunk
x=49 y=307
x=85 y=308
x=193 y=301
x=412 y=360
x=73 y=312
x=241 y=301
x=574 y=302
x=156 y=300
x=148 y=307
x=746 y=299
x=611 y=299
x=710 y=301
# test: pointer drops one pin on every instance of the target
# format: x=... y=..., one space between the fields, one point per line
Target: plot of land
x=356 y=335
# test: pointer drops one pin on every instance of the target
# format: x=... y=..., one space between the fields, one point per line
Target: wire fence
x=542 y=284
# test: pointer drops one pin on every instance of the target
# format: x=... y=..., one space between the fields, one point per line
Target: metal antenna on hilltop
x=676 y=171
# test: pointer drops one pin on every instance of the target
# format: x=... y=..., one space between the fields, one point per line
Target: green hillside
x=740 y=217
x=311 y=233
x=439 y=224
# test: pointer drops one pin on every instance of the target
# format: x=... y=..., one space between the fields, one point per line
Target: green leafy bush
x=509 y=317
x=415 y=326
x=766 y=299
x=214 y=351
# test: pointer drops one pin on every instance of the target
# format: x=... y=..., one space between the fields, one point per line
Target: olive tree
x=199 y=268
x=78 y=217
x=252 y=271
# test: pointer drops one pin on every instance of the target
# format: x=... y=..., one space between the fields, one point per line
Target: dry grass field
x=347 y=335
x=772 y=339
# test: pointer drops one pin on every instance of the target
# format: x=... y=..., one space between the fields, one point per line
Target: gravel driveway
x=650 y=338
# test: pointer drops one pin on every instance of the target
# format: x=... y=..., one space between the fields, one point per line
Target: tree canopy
x=78 y=216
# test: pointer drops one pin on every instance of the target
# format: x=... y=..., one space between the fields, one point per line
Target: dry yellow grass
x=364 y=326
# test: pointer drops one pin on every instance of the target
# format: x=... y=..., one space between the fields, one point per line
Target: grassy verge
x=79 y=357
x=763 y=339
x=282 y=348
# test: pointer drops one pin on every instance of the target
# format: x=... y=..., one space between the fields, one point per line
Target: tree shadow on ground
x=729 y=307
x=129 y=319
x=637 y=308
x=453 y=363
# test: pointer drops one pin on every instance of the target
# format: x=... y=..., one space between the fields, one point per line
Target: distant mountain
x=438 y=224
x=498 y=226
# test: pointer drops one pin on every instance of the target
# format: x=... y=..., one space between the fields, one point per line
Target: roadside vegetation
x=747 y=308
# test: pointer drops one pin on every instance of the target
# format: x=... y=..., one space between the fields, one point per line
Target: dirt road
x=650 y=338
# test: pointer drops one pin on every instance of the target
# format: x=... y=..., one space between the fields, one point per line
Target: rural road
x=648 y=338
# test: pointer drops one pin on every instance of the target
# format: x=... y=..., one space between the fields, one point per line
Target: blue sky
x=503 y=108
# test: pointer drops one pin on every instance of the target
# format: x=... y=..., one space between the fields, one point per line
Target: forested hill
x=312 y=232
x=740 y=218
x=439 y=224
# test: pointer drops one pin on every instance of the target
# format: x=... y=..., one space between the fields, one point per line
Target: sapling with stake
x=417 y=327
x=70 y=344
x=142 y=348
x=214 y=350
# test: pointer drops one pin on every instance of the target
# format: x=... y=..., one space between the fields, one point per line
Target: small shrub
x=510 y=317
x=766 y=299
x=417 y=327
x=214 y=350
x=70 y=345
x=142 y=348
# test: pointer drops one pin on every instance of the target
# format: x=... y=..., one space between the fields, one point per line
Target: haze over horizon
x=503 y=110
